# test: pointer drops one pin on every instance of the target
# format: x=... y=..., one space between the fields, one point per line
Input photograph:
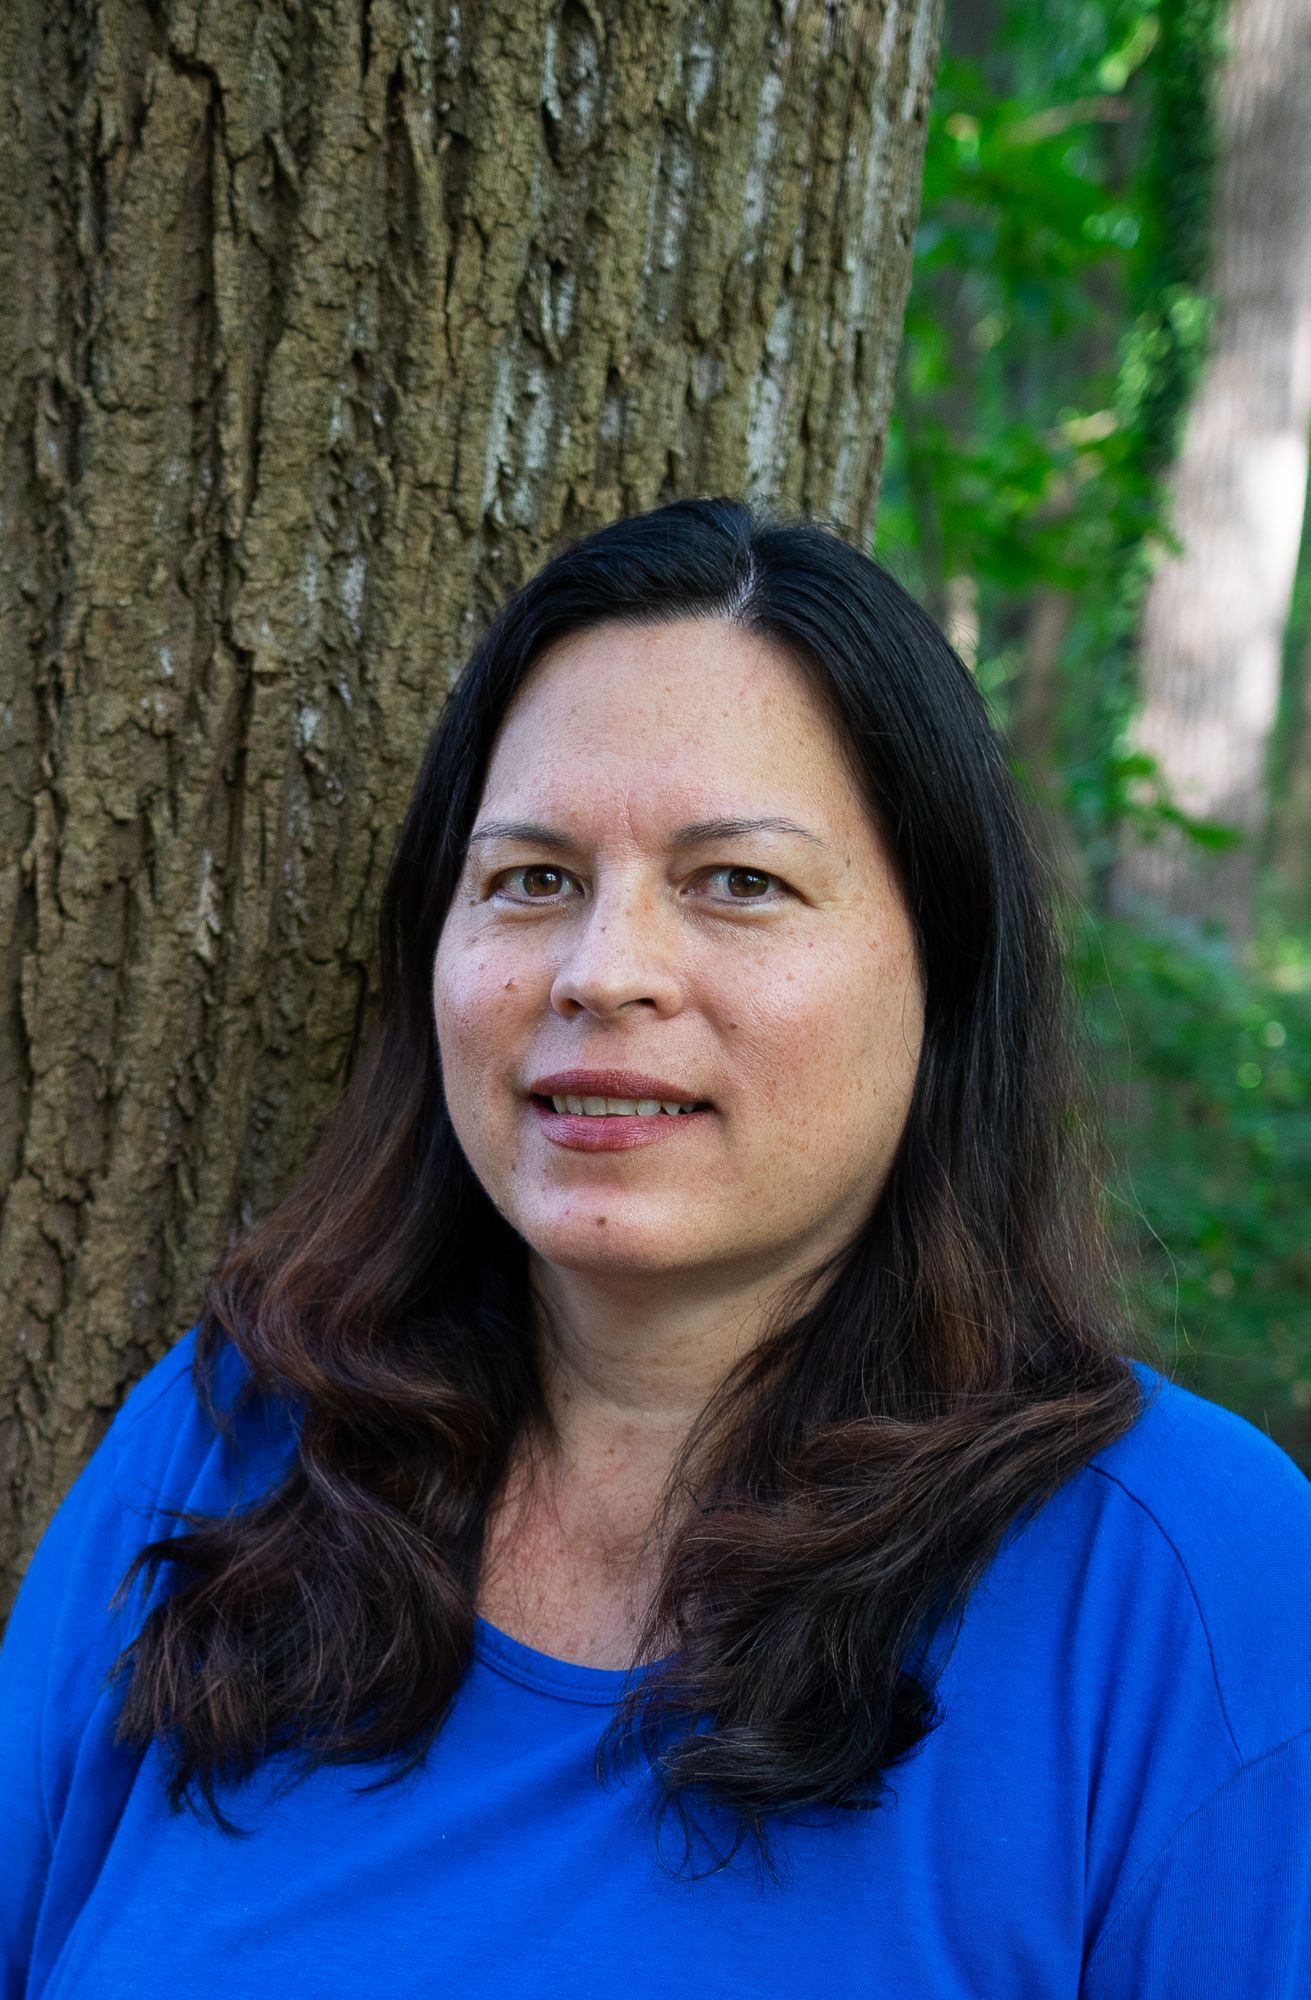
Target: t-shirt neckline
x=565 y=1680
x=596 y=1687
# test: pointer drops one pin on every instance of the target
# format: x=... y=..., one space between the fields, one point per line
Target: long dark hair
x=848 y=1485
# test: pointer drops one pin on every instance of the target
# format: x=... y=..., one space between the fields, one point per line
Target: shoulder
x=158 y=1422
x=1179 y=1432
x=162 y=1458
x=166 y=1393
x=1147 y=1624
x=1211 y=1501
x=195 y=1436
x=169 y=1449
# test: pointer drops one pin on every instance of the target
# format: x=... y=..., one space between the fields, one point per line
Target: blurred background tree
x=1096 y=478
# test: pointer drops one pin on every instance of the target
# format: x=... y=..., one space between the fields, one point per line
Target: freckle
x=600 y=1222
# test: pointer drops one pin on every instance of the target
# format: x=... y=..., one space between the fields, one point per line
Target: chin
x=601 y=1237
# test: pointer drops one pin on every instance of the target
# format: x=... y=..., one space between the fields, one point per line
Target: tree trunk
x=1215 y=612
x=1035 y=722
x=321 y=322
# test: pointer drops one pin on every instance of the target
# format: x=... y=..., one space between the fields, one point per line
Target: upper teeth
x=617 y=1107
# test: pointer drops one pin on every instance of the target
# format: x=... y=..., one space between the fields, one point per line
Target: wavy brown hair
x=848 y=1485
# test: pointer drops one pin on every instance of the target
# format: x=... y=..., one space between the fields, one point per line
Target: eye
x=747 y=885
x=538 y=883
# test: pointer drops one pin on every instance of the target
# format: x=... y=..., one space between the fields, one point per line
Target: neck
x=574 y=1549
x=627 y=1369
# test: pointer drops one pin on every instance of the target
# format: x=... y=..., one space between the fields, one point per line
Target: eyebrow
x=697 y=833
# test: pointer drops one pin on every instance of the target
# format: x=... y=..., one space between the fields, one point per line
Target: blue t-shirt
x=1116 y=1803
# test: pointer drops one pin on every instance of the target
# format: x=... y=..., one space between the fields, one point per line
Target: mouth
x=615 y=1093
x=613 y=1110
x=572 y=1105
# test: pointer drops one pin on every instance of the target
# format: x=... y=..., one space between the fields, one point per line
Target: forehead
x=692 y=714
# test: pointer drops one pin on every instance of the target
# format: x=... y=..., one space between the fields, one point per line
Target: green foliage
x=1207 y=1070
x=995 y=471
x=1056 y=325
x=1175 y=185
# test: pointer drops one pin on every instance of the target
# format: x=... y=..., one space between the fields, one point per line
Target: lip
x=611 y=1083
x=578 y=1133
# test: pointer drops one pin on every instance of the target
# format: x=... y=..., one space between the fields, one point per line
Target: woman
x=663 y=1507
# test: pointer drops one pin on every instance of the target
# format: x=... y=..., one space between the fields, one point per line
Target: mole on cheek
x=600 y=1222
x=511 y=986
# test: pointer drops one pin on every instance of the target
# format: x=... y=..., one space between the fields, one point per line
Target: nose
x=622 y=954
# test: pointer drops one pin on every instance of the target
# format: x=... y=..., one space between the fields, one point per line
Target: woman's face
x=674 y=892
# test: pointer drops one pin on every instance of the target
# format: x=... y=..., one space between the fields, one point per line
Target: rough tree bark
x=1215 y=613
x=320 y=323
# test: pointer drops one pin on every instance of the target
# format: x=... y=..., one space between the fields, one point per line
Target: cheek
x=482 y=1031
x=478 y=1006
x=829 y=1048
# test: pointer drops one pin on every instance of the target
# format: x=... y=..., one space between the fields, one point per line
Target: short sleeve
x=1227 y=1901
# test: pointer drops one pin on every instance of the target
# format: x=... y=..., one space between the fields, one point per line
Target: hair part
x=848 y=1485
